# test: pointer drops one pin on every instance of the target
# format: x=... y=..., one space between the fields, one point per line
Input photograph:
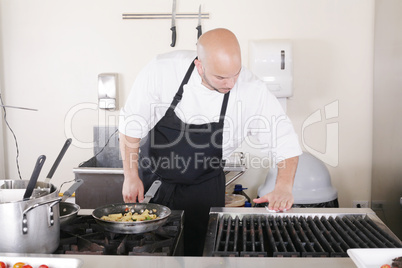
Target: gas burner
x=85 y=236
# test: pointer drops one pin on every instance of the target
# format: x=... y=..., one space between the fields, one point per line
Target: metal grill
x=297 y=236
x=84 y=236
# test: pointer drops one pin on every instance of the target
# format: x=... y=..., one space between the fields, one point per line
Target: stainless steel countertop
x=90 y=261
x=313 y=211
x=204 y=262
x=290 y=212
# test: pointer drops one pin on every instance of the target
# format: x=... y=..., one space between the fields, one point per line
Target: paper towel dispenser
x=271 y=61
x=107 y=90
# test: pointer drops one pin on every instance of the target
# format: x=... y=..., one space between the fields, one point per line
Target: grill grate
x=290 y=236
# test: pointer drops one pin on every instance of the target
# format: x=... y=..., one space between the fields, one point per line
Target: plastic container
x=238 y=189
x=234 y=200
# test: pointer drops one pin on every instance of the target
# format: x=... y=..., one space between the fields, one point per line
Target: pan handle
x=72 y=189
x=52 y=203
x=151 y=191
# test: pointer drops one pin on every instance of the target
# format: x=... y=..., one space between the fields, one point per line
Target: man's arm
x=133 y=187
x=281 y=197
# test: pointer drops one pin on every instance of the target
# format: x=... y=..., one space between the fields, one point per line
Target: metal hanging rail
x=158 y=16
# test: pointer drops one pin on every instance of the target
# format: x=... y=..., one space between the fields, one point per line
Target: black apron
x=188 y=160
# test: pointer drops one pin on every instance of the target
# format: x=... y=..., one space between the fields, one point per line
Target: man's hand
x=133 y=189
x=281 y=198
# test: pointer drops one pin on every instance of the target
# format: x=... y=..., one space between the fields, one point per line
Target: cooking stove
x=300 y=232
x=84 y=236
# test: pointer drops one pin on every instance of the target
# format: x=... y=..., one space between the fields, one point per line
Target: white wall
x=53 y=50
x=387 y=142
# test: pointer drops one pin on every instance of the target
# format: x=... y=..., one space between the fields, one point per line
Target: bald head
x=219 y=46
x=219 y=55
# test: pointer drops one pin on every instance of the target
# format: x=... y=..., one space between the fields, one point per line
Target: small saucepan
x=136 y=227
x=68 y=211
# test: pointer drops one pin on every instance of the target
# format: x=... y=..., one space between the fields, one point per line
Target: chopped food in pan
x=131 y=217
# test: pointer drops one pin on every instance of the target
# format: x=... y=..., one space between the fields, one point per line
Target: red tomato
x=18 y=265
x=386 y=266
x=27 y=266
x=2 y=265
x=43 y=266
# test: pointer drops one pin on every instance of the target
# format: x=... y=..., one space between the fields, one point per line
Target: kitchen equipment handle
x=173 y=29
x=234 y=178
x=72 y=189
x=152 y=191
x=199 y=31
x=34 y=177
x=58 y=160
x=52 y=202
x=282 y=59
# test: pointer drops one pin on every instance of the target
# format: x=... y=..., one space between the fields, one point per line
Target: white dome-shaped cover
x=312 y=182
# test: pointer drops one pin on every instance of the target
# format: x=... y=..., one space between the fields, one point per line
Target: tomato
x=386 y=266
x=27 y=266
x=18 y=265
x=43 y=266
x=2 y=265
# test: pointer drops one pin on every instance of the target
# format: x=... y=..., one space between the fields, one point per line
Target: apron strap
x=224 y=106
x=179 y=93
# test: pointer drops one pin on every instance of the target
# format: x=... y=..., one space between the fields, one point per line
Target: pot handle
x=52 y=202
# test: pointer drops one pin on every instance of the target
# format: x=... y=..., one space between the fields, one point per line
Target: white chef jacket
x=252 y=110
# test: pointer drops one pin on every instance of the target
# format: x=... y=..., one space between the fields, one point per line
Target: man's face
x=222 y=83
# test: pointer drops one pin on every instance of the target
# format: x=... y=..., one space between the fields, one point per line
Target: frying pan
x=68 y=212
x=133 y=227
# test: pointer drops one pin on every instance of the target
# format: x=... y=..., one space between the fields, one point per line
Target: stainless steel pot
x=14 y=190
x=31 y=226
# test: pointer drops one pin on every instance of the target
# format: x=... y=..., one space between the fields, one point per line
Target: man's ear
x=198 y=65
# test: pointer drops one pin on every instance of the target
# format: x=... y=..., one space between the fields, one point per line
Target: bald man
x=186 y=114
